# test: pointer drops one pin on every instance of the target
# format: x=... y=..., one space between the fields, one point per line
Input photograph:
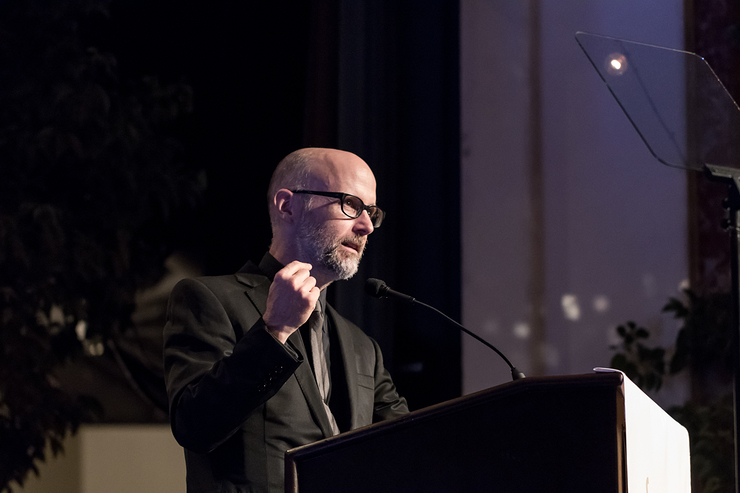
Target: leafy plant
x=90 y=175
x=703 y=348
x=644 y=366
x=712 y=437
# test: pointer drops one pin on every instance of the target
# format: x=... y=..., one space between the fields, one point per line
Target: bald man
x=257 y=362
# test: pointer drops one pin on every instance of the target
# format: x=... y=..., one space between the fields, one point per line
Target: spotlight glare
x=616 y=64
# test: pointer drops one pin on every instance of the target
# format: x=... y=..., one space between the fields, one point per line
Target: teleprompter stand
x=688 y=120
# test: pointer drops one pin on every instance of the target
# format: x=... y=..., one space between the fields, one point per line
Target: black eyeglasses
x=352 y=206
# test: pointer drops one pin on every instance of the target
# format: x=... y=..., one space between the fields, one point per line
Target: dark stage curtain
x=398 y=107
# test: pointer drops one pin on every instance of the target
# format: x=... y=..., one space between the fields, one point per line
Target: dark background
x=378 y=78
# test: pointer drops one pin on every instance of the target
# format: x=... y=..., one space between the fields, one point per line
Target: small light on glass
x=616 y=64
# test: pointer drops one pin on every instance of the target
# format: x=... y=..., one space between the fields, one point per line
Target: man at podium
x=257 y=362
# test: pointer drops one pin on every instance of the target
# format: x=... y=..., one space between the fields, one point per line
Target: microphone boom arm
x=379 y=289
x=515 y=373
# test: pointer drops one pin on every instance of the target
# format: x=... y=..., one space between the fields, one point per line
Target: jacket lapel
x=257 y=289
x=349 y=358
x=307 y=383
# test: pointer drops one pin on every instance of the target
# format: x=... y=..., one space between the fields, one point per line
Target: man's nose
x=363 y=224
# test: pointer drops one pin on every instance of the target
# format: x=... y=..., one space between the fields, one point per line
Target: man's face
x=326 y=237
x=336 y=252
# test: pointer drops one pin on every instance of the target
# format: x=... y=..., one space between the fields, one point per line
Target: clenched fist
x=292 y=298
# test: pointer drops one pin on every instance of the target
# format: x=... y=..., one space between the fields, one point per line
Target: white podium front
x=657 y=447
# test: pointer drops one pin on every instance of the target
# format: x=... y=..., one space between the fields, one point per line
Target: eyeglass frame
x=341 y=196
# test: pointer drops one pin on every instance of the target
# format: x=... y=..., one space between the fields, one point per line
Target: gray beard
x=320 y=250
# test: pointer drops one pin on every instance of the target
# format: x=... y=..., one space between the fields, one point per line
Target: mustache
x=357 y=242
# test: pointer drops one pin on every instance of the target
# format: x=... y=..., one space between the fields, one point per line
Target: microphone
x=379 y=289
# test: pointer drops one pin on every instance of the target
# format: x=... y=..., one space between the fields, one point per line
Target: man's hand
x=292 y=298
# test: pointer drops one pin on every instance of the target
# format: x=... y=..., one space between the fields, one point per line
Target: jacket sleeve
x=214 y=381
x=388 y=404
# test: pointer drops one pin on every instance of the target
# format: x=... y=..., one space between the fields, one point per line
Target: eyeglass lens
x=353 y=207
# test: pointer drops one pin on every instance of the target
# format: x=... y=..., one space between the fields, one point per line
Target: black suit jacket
x=239 y=398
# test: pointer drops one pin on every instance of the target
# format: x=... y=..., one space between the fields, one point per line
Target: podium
x=581 y=433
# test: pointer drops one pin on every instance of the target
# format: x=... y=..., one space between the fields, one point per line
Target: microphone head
x=375 y=287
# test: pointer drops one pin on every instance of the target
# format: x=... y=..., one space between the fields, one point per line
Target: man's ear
x=286 y=205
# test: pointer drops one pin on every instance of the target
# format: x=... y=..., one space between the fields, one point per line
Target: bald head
x=321 y=169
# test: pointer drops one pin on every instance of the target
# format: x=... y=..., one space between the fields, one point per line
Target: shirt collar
x=269 y=265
